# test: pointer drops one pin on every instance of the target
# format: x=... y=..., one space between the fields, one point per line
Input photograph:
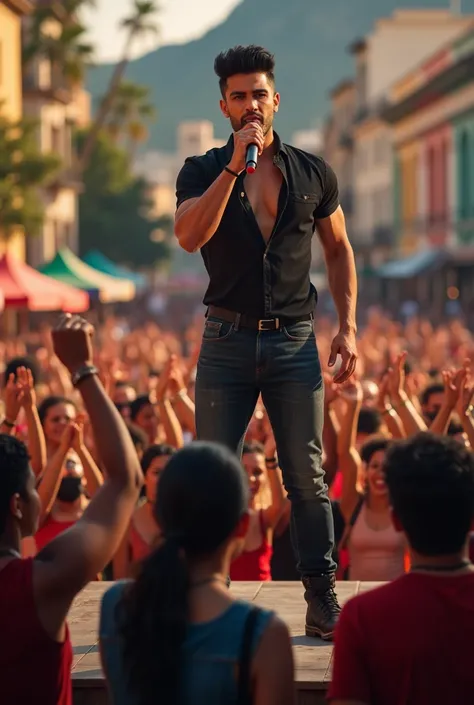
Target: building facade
x=396 y=45
x=50 y=101
x=431 y=114
x=11 y=102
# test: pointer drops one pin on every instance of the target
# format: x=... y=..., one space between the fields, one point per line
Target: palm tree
x=23 y=169
x=69 y=52
x=138 y=24
x=129 y=115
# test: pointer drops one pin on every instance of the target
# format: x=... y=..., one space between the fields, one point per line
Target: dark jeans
x=234 y=367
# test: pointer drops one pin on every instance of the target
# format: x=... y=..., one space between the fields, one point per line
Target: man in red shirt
x=409 y=642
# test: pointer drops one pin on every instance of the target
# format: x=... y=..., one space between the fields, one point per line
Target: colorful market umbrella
x=68 y=268
x=96 y=259
x=24 y=287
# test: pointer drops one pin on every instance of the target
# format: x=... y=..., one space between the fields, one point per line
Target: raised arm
x=453 y=385
x=36 y=439
x=412 y=421
x=272 y=514
x=75 y=557
x=349 y=458
x=200 y=205
x=465 y=409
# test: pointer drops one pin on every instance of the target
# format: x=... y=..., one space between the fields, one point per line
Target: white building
x=48 y=100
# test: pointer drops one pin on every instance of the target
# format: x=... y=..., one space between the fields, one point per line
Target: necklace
x=207 y=581
x=442 y=568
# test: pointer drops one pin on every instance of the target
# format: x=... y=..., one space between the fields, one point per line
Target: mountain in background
x=309 y=38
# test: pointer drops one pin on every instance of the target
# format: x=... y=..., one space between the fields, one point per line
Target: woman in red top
x=36 y=593
x=143 y=533
x=254 y=562
x=68 y=458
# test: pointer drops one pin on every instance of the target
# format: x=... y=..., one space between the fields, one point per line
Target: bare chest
x=263 y=191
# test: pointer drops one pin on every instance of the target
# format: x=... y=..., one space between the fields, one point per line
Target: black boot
x=323 y=608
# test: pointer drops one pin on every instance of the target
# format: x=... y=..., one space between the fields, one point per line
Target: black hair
x=138 y=436
x=137 y=405
x=195 y=523
x=16 y=362
x=158 y=450
x=243 y=59
x=253 y=447
x=430 y=480
x=435 y=388
x=14 y=472
x=455 y=427
x=48 y=404
x=373 y=446
x=369 y=422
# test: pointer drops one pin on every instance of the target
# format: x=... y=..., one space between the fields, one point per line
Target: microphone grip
x=251 y=158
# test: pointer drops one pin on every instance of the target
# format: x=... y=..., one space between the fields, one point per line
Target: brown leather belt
x=241 y=320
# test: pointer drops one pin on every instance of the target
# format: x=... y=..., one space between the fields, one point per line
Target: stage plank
x=312 y=656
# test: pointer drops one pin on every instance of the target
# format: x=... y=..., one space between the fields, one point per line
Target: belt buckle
x=263 y=321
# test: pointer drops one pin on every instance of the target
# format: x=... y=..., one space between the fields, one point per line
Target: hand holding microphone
x=248 y=145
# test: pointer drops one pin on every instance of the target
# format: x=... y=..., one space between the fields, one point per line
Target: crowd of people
x=100 y=480
x=410 y=378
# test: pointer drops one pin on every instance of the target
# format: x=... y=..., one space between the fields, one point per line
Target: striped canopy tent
x=69 y=269
x=96 y=259
x=22 y=287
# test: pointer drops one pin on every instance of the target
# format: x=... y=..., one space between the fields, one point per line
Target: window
x=464 y=176
x=56 y=140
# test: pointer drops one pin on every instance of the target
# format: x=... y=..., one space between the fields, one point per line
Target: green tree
x=141 y=21
x=130 y=114
x=22 y=170
x=68 y=50
x=114 y=210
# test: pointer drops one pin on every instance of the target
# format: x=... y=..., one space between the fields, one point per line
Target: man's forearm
x=198 y=223
x=342 y=280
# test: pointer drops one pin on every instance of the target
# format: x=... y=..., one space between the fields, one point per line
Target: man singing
x=254 y=232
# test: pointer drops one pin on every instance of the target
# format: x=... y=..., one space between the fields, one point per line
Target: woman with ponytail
x=176 y=635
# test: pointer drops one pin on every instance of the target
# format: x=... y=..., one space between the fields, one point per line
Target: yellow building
x=11 y=12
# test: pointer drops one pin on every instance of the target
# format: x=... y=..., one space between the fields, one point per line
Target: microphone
x=251 y=159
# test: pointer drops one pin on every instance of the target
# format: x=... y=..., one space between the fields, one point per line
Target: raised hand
x=72 y=342
x=26 y=387
x=454 y=382
x=13 y=399
x=396 y=377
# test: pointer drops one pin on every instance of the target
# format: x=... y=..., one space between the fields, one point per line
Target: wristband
x=82 y=373
x=229 y=171
x=8 y=424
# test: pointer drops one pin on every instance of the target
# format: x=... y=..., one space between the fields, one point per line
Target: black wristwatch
x=82 y=373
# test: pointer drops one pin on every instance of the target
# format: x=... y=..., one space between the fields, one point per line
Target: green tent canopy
x=69 y=269
x=96 y=259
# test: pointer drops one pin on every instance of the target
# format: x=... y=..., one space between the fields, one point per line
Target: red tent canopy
x=24 y=287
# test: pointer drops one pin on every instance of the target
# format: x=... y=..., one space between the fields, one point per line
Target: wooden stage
x=312 y=656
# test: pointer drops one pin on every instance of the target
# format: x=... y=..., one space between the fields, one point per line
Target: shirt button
x=242 y=195
x=305 y=198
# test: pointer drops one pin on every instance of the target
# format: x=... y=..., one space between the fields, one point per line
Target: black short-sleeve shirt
x=247 y=275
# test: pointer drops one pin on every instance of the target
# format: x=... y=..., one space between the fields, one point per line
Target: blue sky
x=180 y=21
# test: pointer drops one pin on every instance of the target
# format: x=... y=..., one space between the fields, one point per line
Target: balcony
x=384 y=236
x=65 y=179
x=57 y=91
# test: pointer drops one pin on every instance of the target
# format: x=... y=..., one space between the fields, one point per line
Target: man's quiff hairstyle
x=240 y=59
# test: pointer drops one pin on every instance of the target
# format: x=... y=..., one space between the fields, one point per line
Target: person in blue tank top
x=176 y=635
